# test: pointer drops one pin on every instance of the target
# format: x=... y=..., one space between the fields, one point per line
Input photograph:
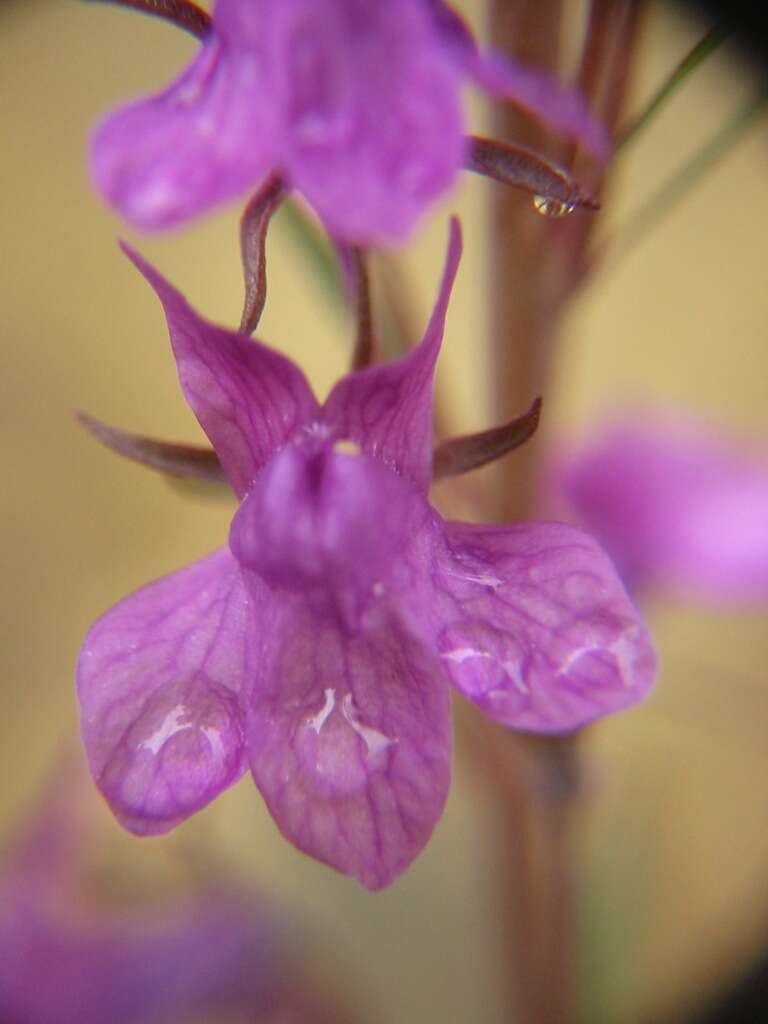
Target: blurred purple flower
x=355 y=102
x=318 y=650
x=675 y=504
x=65 y=958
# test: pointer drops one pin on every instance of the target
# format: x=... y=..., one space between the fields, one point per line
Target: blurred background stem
x=536 y=265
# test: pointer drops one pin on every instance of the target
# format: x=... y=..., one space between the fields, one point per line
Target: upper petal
x=349 y=740
x=536 y=627
x=206 y=139
x=158 y=683
x=248 y=399
x=675 y=504
x=387 y=410
x=373 y=114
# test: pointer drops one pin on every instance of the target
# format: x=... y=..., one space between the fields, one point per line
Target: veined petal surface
x=349 y=739
x=536 y=627
x=387 y=410
x=249 y=400
x=207 y=138
x=159 y=681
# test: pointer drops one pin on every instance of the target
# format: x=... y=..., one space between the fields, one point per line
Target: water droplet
x=547 y=206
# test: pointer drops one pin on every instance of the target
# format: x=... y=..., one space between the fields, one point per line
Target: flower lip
x=323 y=516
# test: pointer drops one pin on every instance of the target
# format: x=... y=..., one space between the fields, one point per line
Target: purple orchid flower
x=356 y=103
x=66 y=958
x=318 y=650
x=677 y=505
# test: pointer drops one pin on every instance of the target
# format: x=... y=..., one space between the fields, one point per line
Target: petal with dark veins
x=536 y=628
x=249 y=400
x=159 y=681
x=387 y=410
x=349 y=740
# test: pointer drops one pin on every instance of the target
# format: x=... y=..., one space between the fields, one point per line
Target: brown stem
x=459 y=455
x=536 y=266
x=365 y=341
x=518 y=167
x=254 y=224
x=183 y=13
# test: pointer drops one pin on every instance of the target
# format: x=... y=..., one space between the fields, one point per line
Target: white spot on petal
x=376 y=741
x=317 y=721
x=173 y=722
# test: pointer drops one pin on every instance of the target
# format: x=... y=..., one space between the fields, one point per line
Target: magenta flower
x=318 y=650
x=356 y=103
x=67 y=958
x=675 y=504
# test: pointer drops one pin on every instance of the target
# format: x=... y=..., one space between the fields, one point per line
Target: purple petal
x=326 y=521
x=158 y=683
x=387 y=410
x=537 y=629
x=59 y=967
x=375 y=122
x=206 y=139
x=675 y=505
x=560 y=108
x=349 y=740
x=249 y=400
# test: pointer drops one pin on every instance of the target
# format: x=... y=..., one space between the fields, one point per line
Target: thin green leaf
x=317 y=250
x=669 y=87
x=648 y=217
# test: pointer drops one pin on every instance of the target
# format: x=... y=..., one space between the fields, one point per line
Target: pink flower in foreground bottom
x=319 y=648
x=69 y=957
x=675 y=504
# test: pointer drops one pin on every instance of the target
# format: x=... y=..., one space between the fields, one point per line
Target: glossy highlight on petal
x=349 y=740
x=537 y=629
x=158 y=682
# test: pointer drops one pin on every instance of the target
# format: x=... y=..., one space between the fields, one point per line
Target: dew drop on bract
x=550 y=207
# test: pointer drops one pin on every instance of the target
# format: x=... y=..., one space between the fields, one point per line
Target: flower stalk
x=537 y=264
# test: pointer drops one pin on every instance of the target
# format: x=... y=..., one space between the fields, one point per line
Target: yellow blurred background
x=674 y=854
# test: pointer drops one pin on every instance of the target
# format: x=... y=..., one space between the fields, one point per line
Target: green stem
x=316 y=249
x=650 y=214
x=686 y=67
